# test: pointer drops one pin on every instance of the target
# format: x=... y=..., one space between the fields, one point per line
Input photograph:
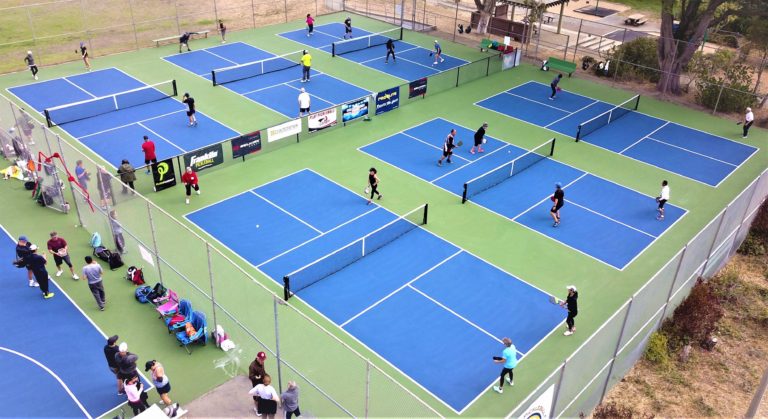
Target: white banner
x=541 y=408
x=322 y=120
x=284 y=130
x=146 y=255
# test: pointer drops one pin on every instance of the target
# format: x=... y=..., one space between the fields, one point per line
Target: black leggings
x=33 y=69
x=42 y=278
x=569 y=321
x=505 y=371
x=554 y=89
x=375 y=190
x=746 y=127
x=392 y=53
x=189 y=187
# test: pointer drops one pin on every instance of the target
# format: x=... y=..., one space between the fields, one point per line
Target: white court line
x=52 y=374
x=74 y=84
x=433 y=146
x=287 y=212
x=503 y=147
x=646 y=136
x=419 y=276
x=545 y=198
x=692 y=152
x=569 y=115
x=325 y=233
x=160 y=137
x=223 y=58
x=611 y=219
x=126 y=125
x=379 y=58
x=507 y=92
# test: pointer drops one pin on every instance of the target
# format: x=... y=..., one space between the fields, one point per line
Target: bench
x=176 y=37
x=562 y=65
x=635 y=20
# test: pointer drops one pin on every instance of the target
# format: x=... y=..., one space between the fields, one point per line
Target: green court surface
x=334 y=154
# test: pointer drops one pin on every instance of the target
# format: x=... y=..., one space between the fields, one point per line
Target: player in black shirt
x=184 y=41
x=571 y=304
x=448 y=147
x=558 y=200
x=479 y=139
x=390 y=51
x=30 y=60
x=373 y=184
x=222 y=31
x=348 y=28
x=190 y=101
x=85 y=56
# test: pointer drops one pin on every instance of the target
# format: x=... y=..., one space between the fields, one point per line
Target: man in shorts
x=438 y=53
x=558 y=200
x=57 y=246
x=184 y=41
x=110 y=350
x=348 y=28
x=479 y=139
x=662 y=199
x=448 y=147
x=304 y=102
x=390 y=51
x=190 y=102
x=148 y=148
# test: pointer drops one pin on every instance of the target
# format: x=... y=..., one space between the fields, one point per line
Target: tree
x=485 y=7
x=676 y=47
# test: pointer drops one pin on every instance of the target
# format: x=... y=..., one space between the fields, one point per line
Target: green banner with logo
x=164 y=175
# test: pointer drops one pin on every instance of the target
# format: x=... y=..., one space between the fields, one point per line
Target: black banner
x=204 y=158
x=164 y=175
x=246 y=144
x=417 y=88
x=387 y=100
x=354 y=110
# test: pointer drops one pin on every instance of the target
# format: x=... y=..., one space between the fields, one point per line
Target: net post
x=286 y=288
x=175 y=90
x=426 y=212
x=637 y=102
x=552 y=149
x=401 y=34
x=213 y=77
x=464 y=194
x=333 y=49
x=48 y=120
x=578 y=134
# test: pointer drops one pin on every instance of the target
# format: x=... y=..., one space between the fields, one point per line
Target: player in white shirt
x=749 y=118
x=304 y=101
x=662 y=199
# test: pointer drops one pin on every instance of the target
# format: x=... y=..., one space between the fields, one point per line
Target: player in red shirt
x=189 y=179
x=58 y=247
x=148 y=147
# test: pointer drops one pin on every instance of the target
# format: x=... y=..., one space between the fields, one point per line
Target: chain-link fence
x=580 y=383
x=253 y=315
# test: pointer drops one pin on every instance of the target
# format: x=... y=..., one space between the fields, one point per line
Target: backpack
x=102 y=253
x=29 y=185
x=142 y=292
x=157 y=294
x=116 y=261
x=135 y=275
x=95 y=240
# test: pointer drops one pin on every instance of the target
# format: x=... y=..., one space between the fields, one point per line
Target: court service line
x=407 y=284
x=325 y=233
x=286 y=211
x=52 y=374
x=692 y=152
x=443 y=306
x=612 y=219
x=432 y=145
x=124 y=126
x=75 y=84
x=506 y=145
x=160 y=136
x=646 y=136
x=543 y=200
x=223 y=58
x=379 y=58
x=539 y=103
x=569 y=115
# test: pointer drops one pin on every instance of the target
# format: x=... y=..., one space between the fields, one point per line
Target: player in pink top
x=310 y=25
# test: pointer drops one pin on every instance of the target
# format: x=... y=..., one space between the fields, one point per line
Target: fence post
x=744 y=216
x=714 y=240
x=367 y=386
x=176 y=8
x=674 y=281
x=216 y=14
x=74 y=192
x=455 y=20
x=616 y=351
x=154 y=242
x=133 y=23
x=277 y=347
x=285 y=6
x=578 y=38
x=567 y=44
x=557 y=390
x=210 y=278
x=719 y=94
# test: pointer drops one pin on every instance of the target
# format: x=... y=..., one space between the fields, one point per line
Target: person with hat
x=127 y=175
x=438 y=53
x=190 y=102
x=749 y=119
x=190 y=181
x=160 y=380
x=58 y=247
x=479 y=139
x=30 y=60
x=110 y=350
x=304 y=102
x=126 y=362
x=23 y=253
x=509 y=359
x=558 y=200
x=348 y=28
x=36 y=263
x=256 y=374
x=571 y=305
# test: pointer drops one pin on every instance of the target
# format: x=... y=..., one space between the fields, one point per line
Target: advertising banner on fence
x=387 y=100
x=354 y=110
x=284 y=130
x=322 y=120
x=164 y=175
x=541 y=407
x=204 y=158
x=417 y=88
x=246 y=144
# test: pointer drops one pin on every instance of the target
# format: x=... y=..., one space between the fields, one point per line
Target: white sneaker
x=58 y=273
x=187 y=200
x=198 y=192
x=257 y=411
x=510 y=382
x=74 y=276
x=498 y=389
x=35 y=77
x=442 y=60
x=33 y=283
x=568 y=333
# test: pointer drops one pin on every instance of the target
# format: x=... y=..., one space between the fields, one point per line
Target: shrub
x=752 y=246
x=695 y=319
x=636 y=60
x=657 y=351
x=614 y=410
x=722 y=81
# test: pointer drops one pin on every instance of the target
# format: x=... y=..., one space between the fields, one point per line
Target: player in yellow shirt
x=306 y=64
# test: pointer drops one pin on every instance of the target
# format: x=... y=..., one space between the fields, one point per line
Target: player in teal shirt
x=509 y=359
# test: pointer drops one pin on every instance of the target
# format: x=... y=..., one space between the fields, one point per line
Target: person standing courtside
x=58 y=247
x=190 y=102
x=184 y=41
x=348 y=28
x=37 y=264
x=93 y=274
x=438 y=53
x=479 y=139
x=553 y=86
x=306 y=65
x=390 y=51
x=23 y=253
x=190 y=181
x=448 y=147
x=30 y=60
x=558 y=200
x=110 y=350
x=373 y=184
x=127 y=175
x=570 y=303
x=662 y=199
x=84 y=55
x=256 y=374
x=310 y=25
x=304 y=102
x=148 y=148
x=509 y=359
x=222 y=31
x=749 y=119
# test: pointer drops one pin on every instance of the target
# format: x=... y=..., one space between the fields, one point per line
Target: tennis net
x=607 y=117
x=339 y=259
x=256 y=68
x=507 y=170
x=368 y=41
x=93 y=107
